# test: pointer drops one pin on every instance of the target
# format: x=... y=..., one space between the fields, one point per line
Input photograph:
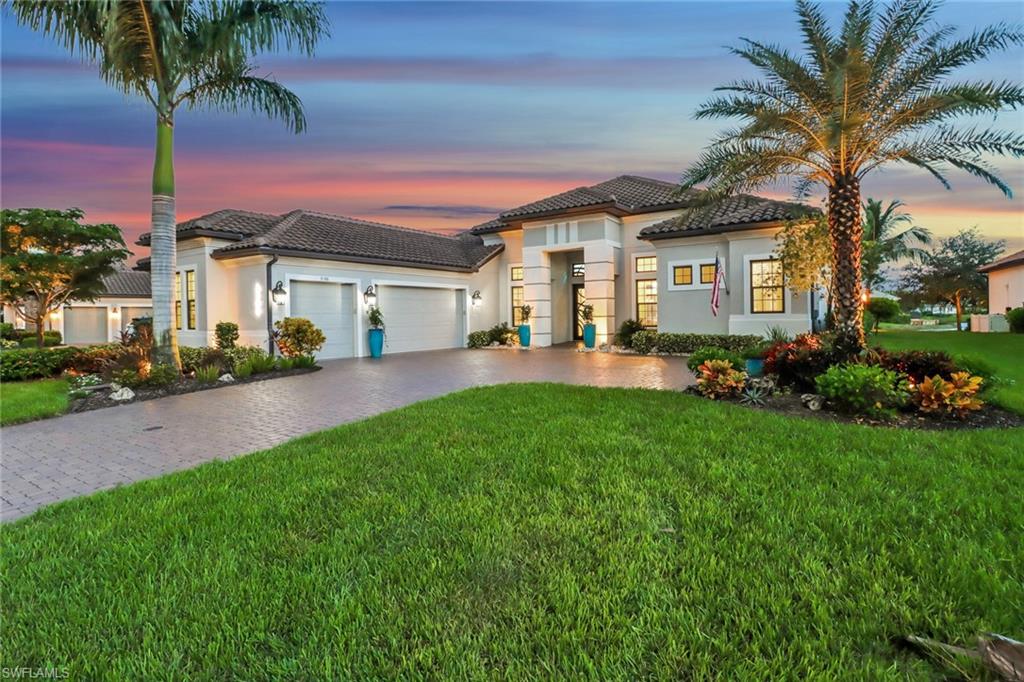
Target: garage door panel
x=420 y=318
x=330 y=307
x=85 y=325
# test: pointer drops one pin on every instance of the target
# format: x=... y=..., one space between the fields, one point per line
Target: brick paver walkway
x=55 y=459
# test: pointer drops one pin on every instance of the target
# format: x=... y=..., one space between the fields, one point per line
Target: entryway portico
x=556 y=258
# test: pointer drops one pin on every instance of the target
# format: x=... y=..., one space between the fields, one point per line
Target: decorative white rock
x=122 y=394
x=812 y=401
x=226 y=379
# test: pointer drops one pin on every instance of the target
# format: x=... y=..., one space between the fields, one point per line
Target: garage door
x=85 y=325
x=330 y=307
x=422 y=319
x=129 y=313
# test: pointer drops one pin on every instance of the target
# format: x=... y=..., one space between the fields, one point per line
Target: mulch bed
x=98 y=399
x=988 y=417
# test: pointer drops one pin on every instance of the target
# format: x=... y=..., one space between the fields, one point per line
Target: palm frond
x=238 y=90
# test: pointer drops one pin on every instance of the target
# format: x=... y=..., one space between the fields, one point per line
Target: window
x=707 y=273
x=766 y=293
x=647 y=264
x=177 y=300
x=579 y=269
x=682 y=275
x=647 y=302
x=518 y=299
x=516 y=273
x=190 y=297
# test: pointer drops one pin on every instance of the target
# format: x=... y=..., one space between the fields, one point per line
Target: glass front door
x=578 y=299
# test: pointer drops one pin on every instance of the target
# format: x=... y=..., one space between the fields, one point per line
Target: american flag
x=719 y=275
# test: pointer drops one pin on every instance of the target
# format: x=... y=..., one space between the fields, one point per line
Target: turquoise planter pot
x=524 y=335
x=376 y=343
x=589 y=335
x=755 y=367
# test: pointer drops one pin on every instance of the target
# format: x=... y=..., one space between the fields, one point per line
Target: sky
x=440 y=115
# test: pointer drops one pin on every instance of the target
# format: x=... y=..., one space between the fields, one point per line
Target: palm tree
x=873 y=92
x=177 y=53
x=886 y=239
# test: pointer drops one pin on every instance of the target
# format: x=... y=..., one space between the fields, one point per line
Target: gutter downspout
x=270 y=305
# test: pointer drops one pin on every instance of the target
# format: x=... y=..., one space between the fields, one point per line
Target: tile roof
x=1004 y=262
x=127 y=283
x=736 y=212
x=338 y=237
x=229 y=223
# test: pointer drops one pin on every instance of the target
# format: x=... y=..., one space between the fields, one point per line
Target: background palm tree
x=889 y=235
x=874 y=92
x=176 y=53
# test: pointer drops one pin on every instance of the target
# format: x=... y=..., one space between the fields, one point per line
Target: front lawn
x=22 y=401
x=534 y=531
x=1004 y=352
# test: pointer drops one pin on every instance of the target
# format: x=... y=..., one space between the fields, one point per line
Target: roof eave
x=221 y=254
x=1001 y=266
x=719 y=229
x=144 y=240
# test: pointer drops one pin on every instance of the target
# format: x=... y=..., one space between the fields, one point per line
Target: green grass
x=1005 y=352
x=22 y=401
x=534 y=531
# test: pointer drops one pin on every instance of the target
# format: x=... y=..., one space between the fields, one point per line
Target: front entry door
x=578 y=299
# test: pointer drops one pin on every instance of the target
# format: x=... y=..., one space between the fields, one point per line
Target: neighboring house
x=1005 y=291
x=126 y=296
x=629 y=246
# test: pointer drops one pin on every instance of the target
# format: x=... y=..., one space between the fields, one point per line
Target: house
x=1005 y=291
x=126 y=296
x=630 y=246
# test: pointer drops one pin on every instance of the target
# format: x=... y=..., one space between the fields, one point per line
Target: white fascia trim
x=574 y=246
x=695 y=271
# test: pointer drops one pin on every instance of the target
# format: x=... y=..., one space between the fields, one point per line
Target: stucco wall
x=1005 y=289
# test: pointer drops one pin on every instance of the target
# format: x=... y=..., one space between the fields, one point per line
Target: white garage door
x=129 y=313
x=330 y=307
x=85 y=325
x=422 y=319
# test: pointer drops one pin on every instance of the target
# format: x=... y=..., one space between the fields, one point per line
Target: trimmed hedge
x=663 y=342
x=20 y=364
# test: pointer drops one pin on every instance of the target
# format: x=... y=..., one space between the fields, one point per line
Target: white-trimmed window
x=689 y=275
x=517 y=294
x=682 y=275
x=647 y=302
x=767 y=294
x=190 y=298
x=515 y=273
x=177 y=300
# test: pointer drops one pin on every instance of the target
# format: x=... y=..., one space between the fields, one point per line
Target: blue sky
x=436 y=115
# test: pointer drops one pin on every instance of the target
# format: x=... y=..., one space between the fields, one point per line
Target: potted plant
x=524 y=327
x=589 y=328
x=376 y=318
x=754 y=359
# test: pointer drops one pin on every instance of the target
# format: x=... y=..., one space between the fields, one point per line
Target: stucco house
x=1005 y=291
x=629 y=246
x=126 y=296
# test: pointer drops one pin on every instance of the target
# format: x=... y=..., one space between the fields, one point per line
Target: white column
x=599 y=283
x=537 y=293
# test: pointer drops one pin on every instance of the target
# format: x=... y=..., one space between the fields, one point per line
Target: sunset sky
x=438 y=116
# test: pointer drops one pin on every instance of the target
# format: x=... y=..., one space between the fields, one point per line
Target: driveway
x=55 y=459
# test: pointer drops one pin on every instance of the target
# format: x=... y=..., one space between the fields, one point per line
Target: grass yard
x=22 y=401
x=534 y=531
x=1005 y=352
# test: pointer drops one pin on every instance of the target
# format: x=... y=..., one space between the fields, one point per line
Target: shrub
x=648 y=341
x=624 y=337
x=701 y=355
x=957 y=396
x=7 y=344
x=264 y=362
x=915 y=364
x=233 y=356
x=502 y=334
x=126 y=376
x=162 y=375
x=298 y=336
x=34 y=363
x=50 y=338
x=226 y=334
x=718 y=379
x=95 y=359
x=863 y=389
x=6 y=330
x=285 y=364
x=478 y=339
x=208 y=374
x=776 y=334
x=375 y=317
x=883 y=310
x=799 y=362
x=304 y=362
x=243 y=370
x=1015 y=318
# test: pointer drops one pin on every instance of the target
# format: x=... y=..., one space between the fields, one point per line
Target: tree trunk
x=846 y=230
x=40 y=321
x=163 y=246
x=959 y=309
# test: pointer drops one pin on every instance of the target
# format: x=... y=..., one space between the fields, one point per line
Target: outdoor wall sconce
x=370 y=296
x=278 y=293
x=477 y=299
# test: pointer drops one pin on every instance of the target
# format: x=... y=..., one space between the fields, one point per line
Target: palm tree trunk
x=959 y=310
x=163 y=247
x=846 y=230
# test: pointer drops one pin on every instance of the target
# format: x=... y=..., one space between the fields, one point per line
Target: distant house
x=632 y=247
x=1005 y=291
x=126 y=296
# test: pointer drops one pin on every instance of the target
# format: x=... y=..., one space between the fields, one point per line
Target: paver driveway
x=55 y=459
